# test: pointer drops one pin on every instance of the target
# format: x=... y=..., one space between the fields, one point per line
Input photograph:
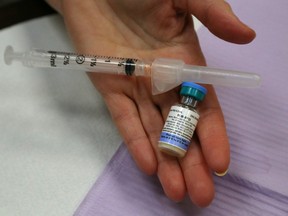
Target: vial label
x=179 y=127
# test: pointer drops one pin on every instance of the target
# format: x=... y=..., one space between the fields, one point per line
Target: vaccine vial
x=182 y=120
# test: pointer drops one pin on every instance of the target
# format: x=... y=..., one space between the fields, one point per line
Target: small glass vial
x=181 y=121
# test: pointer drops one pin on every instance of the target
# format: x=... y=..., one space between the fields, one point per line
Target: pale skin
x=148 y=29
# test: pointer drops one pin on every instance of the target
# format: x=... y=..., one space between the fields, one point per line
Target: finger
x=219 y=18
x=212 y=133
x=126 y=117
x=167 y=100
x=169 y=171
x=197 y=175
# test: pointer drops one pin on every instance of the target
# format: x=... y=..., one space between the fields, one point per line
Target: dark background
x=15 y=11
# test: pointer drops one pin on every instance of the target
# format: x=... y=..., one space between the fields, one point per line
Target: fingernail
x=221 y=174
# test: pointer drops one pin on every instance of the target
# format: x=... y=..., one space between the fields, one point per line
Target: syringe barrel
x=74 y=61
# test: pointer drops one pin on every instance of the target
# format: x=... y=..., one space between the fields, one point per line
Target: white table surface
x=56 y=135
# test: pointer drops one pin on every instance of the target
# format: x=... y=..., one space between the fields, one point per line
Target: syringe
x=165 y=73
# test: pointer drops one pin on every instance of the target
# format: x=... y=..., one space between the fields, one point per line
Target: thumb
x=219 y=18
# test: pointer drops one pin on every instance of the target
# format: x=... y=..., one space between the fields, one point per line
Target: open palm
x=149 y=29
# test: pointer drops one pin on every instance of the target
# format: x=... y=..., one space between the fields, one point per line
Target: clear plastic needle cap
x=169 y=73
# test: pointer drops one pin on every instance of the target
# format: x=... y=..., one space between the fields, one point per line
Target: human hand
x=149 y=29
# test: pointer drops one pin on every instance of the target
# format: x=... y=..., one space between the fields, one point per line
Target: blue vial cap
x=194 y=90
